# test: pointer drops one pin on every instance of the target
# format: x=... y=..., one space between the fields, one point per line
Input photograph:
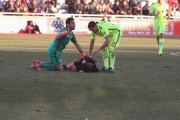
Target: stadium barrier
x=137 y=26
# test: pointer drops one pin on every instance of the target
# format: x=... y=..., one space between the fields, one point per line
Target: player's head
x=88 y=65
x=160 y=1
x=92 y=26
x=70 y=23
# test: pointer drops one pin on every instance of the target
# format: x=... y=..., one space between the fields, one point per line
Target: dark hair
x=69 y=20
x=92 y=24
x=87 y=65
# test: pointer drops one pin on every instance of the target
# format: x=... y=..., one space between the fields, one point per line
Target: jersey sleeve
x=152 y=10
x=73 y=38
x=93 y=35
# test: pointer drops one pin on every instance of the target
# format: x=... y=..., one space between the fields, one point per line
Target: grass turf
x=144 y=86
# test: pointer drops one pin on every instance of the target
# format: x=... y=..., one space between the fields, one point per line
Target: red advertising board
x=176 y=27
x=138 y=27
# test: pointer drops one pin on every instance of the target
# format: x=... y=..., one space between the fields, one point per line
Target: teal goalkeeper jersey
x=106 y=28
x=161 y=17
x=58 y=45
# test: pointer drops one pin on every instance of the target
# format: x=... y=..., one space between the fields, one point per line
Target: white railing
x=81 y=15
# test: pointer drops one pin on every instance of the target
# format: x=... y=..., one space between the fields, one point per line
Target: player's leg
x=55 y=64
x=157 y=30
x=158 y=37
x=112 y=57
x=105 y=55
x=114 y=42
x=161 y=40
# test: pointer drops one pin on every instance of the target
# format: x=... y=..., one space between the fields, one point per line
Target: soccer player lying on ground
x=158 y=10
x=82 y=65
x=55 y=49
x=112 y=34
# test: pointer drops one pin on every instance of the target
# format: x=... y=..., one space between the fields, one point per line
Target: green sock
x=49 y=66
x=105 y=55
x=161 y=43
x=112 y=56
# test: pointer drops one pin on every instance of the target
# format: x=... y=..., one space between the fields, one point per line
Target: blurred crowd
x=26 y=6
x=118 y=7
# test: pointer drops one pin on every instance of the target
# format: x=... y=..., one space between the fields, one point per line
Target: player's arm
x=59 y=36
x=152 y=11
x=80 y=49
x=91 y=46
x=106 y=42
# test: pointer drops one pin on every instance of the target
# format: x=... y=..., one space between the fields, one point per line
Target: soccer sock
x=49 y=66
x=105 y=55
x=112 y=56
x=158 y=42
x=161 y=43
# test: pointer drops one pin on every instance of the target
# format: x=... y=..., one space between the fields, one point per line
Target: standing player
x=159 y=11
x=55 y=49
x=112 y=34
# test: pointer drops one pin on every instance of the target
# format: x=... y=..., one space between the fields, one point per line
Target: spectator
x=116 y=7
x=125 y=9
x=25 y=10
x=9 y=7
x=24 y=6
x=136 y=10
x=49 y=4
x=108 y=9
x=33 y=6
x=146 y=8
x=77 y=8
x=70 y=3
x=132 y=3
x=33 y=28
x=101 y=7
x=100 y=11
x=92 y=7
x=42 y=7
x=58 y=24
x=172 y=5
x=178 y=8
x=85 y=7
x=105 y=18
x=17 y=6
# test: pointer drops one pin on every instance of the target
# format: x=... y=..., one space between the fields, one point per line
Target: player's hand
x=81 y=71
x=69 y=31
x=156 y=13
x=95 y=52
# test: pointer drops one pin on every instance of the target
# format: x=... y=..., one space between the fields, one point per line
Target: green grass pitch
x=144 y=86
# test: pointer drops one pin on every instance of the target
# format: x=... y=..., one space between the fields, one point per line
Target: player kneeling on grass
x=82 y=65
x=112 y=35
x=55 y=49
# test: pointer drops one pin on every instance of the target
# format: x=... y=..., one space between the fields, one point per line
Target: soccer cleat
x=160 y=54
x=33 y=64
x=103 y=68
x=39 y=64
x=109 y=70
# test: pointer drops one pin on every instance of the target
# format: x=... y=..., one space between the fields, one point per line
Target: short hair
x=87 y=65
x=92 y=24
x=68 y=21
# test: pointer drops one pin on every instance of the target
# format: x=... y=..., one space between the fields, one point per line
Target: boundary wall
x=130 y=27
